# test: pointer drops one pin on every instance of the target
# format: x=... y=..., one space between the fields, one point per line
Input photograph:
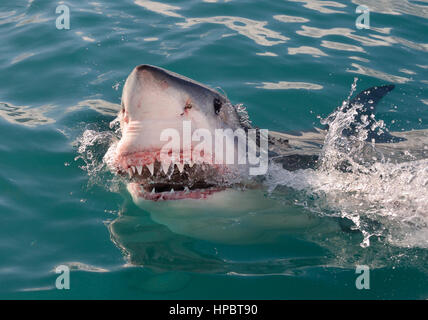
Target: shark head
x=159 y=106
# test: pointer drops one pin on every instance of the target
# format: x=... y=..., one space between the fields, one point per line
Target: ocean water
x=291 y=63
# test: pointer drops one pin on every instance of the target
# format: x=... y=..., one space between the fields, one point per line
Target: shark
x=186 y=190
x=155 y=100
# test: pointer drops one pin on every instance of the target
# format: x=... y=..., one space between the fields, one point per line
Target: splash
x=92 y=146
x=383 y=196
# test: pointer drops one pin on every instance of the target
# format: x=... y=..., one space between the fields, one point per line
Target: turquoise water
x=290 y=63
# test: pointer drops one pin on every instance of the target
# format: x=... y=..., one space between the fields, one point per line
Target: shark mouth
x=152 y=179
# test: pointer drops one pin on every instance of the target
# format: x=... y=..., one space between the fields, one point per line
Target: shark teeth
x=190 y=163
x=139 y=169
x=180 y=167
x=151 y=167
x=165 y=167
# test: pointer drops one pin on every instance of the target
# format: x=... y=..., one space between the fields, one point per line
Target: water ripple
x=322 y=6
x=290 y=19
x=25 y=115
x=315 y=52
x=375 y=40
x=255 y=30
x=161 y=8
x=287 y=85
x=395 y=7
x=341 y=46
x=377 y=74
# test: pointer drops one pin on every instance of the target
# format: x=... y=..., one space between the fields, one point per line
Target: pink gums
x=148 y=157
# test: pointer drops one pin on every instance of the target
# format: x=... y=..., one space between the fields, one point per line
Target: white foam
x=383 y=198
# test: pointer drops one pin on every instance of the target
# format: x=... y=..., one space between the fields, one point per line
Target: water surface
x=290 y=63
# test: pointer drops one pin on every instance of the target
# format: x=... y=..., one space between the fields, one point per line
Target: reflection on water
x=210 y=238
x=290 y=19
x=266 y=54
x=322 y=6
x=377 y=74
x=35 y=116
x=319 y=32
x=158 y=7
x=214 y=1
x=315 y=52
x=98 y=105
x=24 y=19
x=395 y=7
x=252 y=29
x=285 y=85
x=404 y=42
x=85 y=38
x=341 y=46
x=375 y=40
x=25 y=115
x=82 y=267
x=359 y=59
x=22 y=57
x=407 y=71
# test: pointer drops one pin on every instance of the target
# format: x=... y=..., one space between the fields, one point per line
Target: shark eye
x=123 y=108
x=188 y=105
x=217 y=105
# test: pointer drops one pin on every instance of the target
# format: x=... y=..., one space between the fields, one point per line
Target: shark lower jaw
x=156 y=180
x=142 y=192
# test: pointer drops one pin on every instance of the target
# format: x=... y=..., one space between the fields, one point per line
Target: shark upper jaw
x=153 y=179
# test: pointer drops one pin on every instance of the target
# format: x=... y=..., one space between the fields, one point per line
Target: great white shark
x=155 y=100
x=215 y=201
